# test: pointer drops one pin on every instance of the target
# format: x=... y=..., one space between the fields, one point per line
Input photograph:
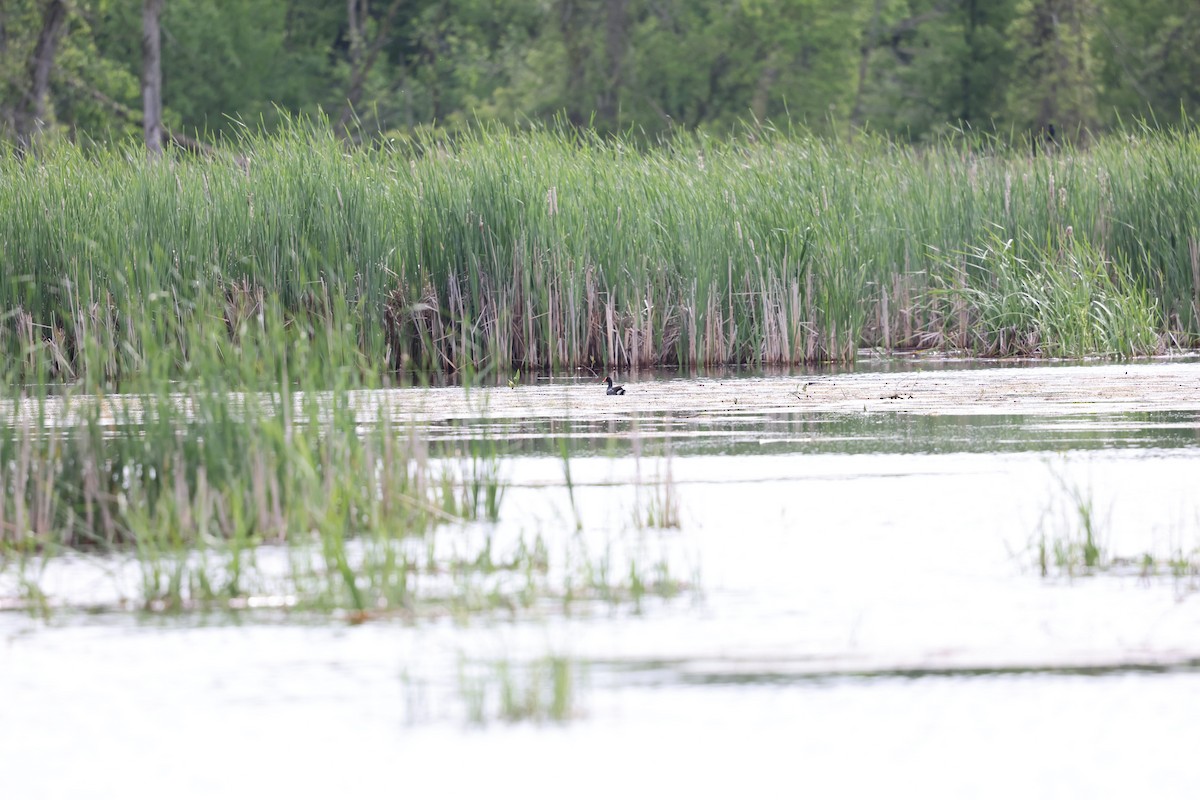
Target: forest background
x=910 y=69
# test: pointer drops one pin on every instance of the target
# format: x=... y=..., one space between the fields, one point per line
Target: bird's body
x=613 y=389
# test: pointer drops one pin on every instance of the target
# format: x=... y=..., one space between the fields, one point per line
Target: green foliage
x=1066 y=299
x=909 y=68
x=1149 y=56
x=1054 y=82
x=932 y=64
x=544 y=690
x=550 y=249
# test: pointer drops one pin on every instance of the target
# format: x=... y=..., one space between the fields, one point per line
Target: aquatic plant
x=656 y=499
x=1069 y=536
x=1071 y=541
x=547 y=248
x=541 y=690
x=1065 y=299
x=279 y=478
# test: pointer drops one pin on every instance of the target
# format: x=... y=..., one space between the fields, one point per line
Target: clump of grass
x=656 y=502
x=1181 y=565
x=1070 y=540
x=543 y=690
x=1061 y=300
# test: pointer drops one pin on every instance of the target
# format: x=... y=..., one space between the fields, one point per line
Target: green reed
x=258 y=471
x=1064 y=299
x=557 y=248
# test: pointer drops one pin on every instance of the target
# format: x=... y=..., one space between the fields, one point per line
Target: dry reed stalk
x=960 y=304
x=426 y=319
x=631 y=344
x=458 y=319
x=504 y=327
x=224 y=524
x=648 y=355
x=611 y=330
x=203 y=503
x=59 y=348
x=885 y=319
x=94 y=494
x=258 y=493
x=97 y=322
x=244 y=302
x=4 y=526
x=556 y=348
x=810 y=313
x=43 y=505
x=24 y=462
x=769 y=343
x=528 y=312
x=796 y=323
x=693 y=344
x=905 y=303
x=1194 y=253
x=732 y=337
x=183 y=503
x=775 y=340
x=574 y=341
x=26 y=338
x=714 y=325
x=396 y=350
x=595 y=326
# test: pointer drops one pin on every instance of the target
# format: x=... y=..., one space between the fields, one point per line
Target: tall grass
x=257 y=471
x=549 y=249
x=1070 y=300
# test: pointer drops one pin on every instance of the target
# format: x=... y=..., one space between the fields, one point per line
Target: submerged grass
x=549 y=249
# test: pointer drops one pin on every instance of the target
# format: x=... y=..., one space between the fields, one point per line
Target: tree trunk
x=31 y=109
x=970 y=31
x=616 y=42
x=362 y=57
x=869 y=42
x=571 y=26
x=152 y=103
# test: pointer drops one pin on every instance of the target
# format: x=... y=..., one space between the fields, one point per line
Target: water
x=865 y=613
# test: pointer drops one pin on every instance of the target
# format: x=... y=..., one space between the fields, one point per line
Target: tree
x=1149 y=52
x=712 y=64
x=1054 y=84
x=152 y=105
x=927 y=64
x=362 y=53
x=32 y=108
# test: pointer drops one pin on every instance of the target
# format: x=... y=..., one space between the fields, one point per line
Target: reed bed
x=552 y=249
x=226 y=494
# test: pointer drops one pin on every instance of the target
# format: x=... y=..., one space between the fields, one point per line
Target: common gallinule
x=613 y=389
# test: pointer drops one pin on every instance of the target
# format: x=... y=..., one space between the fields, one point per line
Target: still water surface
x=866 y=613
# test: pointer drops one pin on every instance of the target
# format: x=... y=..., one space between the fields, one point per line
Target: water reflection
x=800 y=433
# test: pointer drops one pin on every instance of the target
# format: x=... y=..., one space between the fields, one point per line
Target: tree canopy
x=909 y=68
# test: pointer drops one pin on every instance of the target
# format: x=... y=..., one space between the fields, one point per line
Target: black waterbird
x=613 y=389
